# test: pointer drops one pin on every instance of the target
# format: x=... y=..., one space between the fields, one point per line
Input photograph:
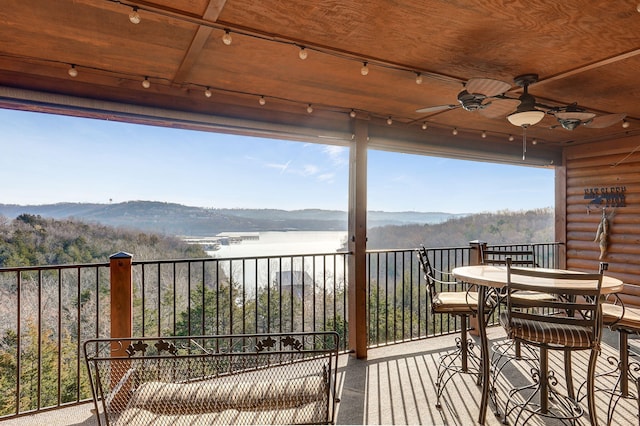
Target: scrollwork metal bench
x=287 y=378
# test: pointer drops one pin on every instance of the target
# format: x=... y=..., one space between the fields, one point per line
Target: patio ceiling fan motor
x=572 y=116
x=471 y=102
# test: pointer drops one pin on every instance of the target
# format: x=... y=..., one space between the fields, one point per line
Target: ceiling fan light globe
x=526 y=118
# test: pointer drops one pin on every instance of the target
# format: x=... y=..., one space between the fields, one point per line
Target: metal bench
x=284 y=378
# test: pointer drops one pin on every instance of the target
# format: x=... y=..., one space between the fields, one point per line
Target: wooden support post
x=121 y=296
x=560 y=223
x=357 y=313
x=477 y=247
x=121 y=316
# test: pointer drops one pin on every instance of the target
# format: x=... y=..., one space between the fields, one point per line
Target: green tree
x=38 y=375
x=212 y=310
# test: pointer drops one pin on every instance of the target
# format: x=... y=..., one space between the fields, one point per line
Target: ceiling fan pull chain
x=524 y=142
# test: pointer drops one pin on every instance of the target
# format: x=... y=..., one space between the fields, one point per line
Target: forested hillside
x=533 y=226
x=44 y=317
x=32 y=240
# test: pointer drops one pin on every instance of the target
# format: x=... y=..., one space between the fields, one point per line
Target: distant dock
x=222 y=239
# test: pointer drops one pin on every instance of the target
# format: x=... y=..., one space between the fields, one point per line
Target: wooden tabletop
x=496 y=276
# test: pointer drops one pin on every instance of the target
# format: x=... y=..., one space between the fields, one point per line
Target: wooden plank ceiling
x=584 y=51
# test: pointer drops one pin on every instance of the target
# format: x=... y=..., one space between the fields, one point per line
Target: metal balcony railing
x=46 y=313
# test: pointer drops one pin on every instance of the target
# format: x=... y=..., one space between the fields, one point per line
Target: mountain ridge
x=179 y=219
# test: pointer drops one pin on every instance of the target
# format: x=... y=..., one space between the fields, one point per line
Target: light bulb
x=424 y=126
x=389 y=121
x=134 y=16
x=146 y=83
x=302 y=53
x=625 y=123
x=207 y=92
x=226 y=38
x=418 y=78
x=309 y=109
x=262 y=100
x=484 y=134
x=365 y=69
x=73 y=72
x=454 y=131
x=352 y=114
x=511 y=138
x=534 y=142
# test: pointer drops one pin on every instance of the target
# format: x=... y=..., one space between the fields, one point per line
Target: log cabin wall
x=602 y=178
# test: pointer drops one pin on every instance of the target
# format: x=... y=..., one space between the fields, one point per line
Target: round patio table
x=492 y=276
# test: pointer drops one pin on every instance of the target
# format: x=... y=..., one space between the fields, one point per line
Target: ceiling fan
x=530 y=112
x=571 y=116
x=488 y=97
x=485 y=95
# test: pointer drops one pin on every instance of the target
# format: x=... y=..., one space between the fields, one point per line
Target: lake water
x=275 y=243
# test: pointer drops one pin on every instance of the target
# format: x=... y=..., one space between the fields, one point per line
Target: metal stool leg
x=568 y=371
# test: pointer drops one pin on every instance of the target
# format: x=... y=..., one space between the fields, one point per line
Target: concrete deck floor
x=395 y=385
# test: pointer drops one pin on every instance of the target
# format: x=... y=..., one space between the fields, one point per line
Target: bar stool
x=575 y=327
x=458 y=303
x=625 y=320
x=503 y=352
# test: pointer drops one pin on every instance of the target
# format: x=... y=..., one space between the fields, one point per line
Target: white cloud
x=310 y=169
x=326 y=177
x=279 y=166
x=337 y=154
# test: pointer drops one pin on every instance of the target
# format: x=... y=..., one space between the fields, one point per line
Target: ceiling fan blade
x=499 y=107
x=603 y=121
x=575 y=115
x=487 y=86
x=436 y=108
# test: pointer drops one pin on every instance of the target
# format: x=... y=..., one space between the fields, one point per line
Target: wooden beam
x=257 y=33
x=199 y=39
x=587 y=67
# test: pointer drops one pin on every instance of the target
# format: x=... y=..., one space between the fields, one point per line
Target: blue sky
x=48 y=159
